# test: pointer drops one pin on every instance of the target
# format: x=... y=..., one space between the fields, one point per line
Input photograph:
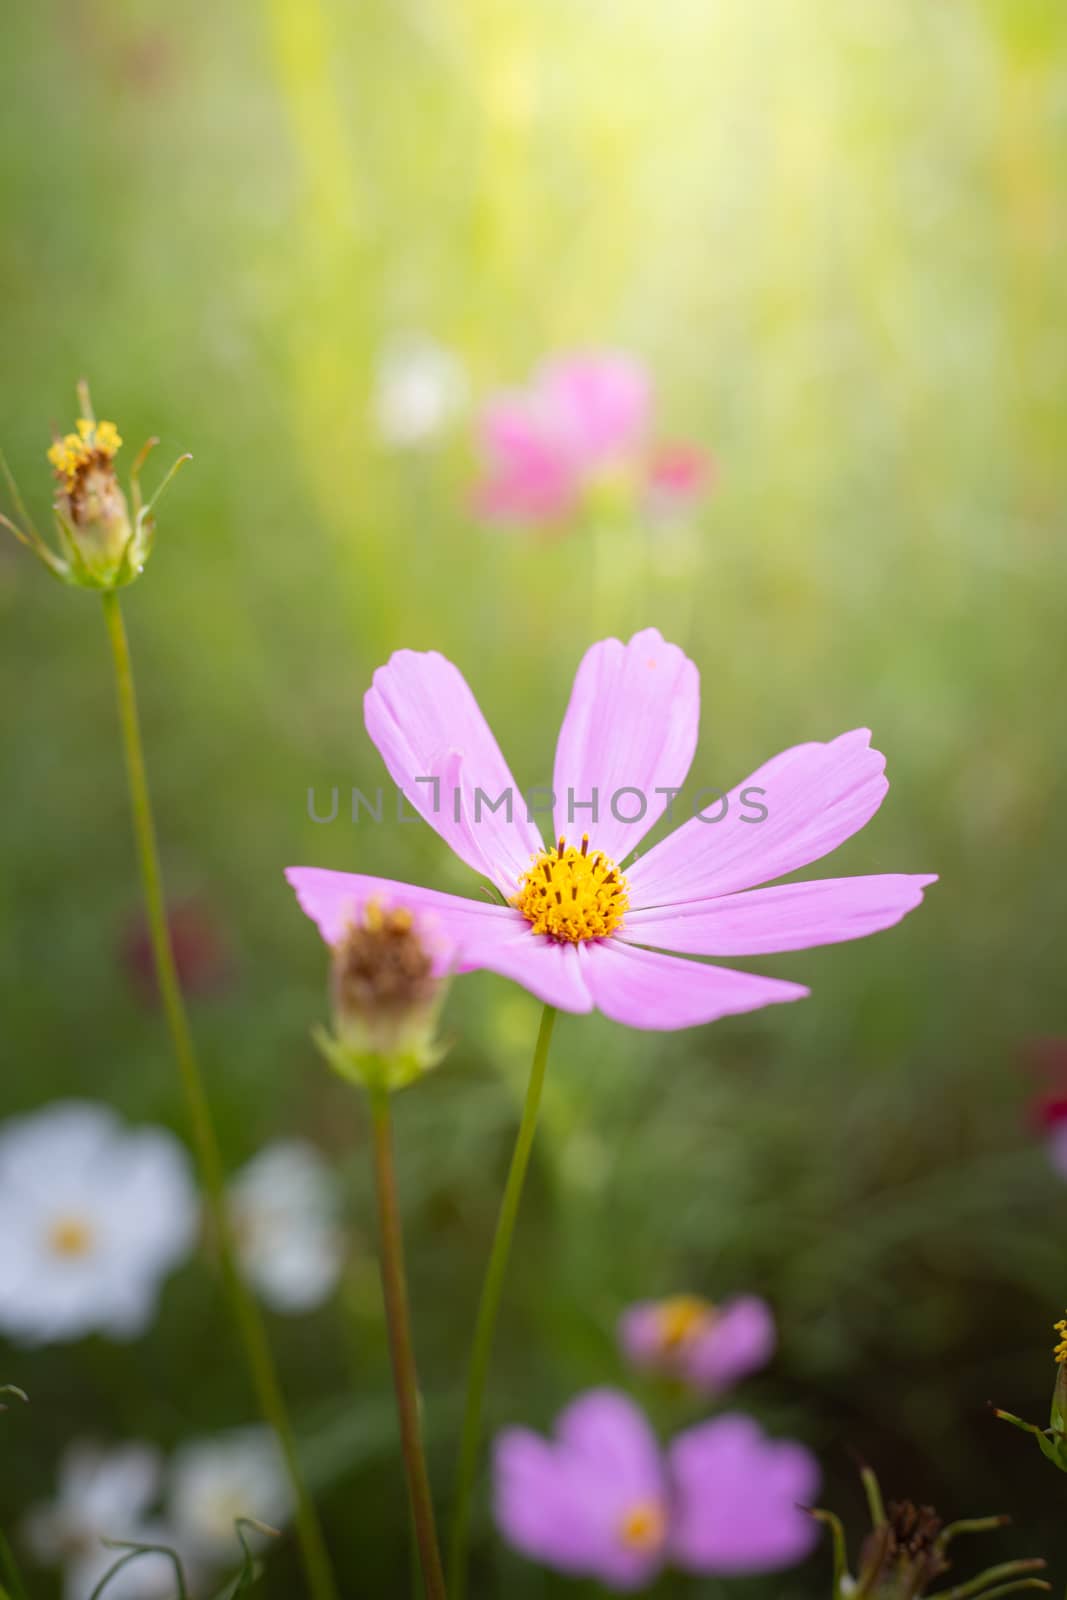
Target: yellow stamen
x=683 y=1317
x=95 y=443
x=644 y=1527
x=572 y=894
x=70 y=1237
x=1060 y=1352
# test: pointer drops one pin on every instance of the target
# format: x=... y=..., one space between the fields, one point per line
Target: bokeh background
x=834 y=229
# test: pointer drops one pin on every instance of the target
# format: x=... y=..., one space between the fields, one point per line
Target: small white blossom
x=215 y=1481
x=92 y=1218
x=103 y=1495
x=421 y=388
x=284 y=1206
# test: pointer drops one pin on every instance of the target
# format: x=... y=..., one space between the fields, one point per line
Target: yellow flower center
x=644 y=1527
x=1060 y=1352
x=572 y=893
x=94 y=444
x=682 y=1318
x=70 y=1237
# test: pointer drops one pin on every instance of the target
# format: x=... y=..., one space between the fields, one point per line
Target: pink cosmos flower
x=705 y=1346
x=575 y=928
x=584 y=422
x=601 y=1499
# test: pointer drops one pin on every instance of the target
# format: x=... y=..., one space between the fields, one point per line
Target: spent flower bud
x=906 y=1553
x=105 y=537
x=386 y=988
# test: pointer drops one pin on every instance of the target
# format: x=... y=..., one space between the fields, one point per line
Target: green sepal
x=1052 y=1441
x=376 y=1071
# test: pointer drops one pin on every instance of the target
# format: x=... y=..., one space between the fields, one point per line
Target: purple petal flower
x=594 y=1501
x=577 y=930
x=705 y=1346
x=739 y=1499
x=600 y=1500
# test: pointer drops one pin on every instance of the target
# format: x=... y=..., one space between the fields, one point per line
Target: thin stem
x=244 y=1308
x=1016 y=1572
x=401 y=1349
x=489 y=1306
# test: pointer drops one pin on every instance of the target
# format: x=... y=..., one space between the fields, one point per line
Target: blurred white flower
x=103 y=1495
x=421 y=387
x=215 y=1481
x=92 y=1218
x=284 y=1206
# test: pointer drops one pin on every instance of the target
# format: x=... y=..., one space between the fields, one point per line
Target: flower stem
x=245 y=1311
x=489 y=1306
x=401 y=1349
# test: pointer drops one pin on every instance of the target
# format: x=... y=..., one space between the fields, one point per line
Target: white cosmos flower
x=92 y=1218
x=103 y=1495
x=421 y=387
x=284 y=1205
x=215 y=1481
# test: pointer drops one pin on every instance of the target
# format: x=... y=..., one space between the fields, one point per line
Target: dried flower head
x=906 y=1552
x=104 y=544
x=381 y=969
x=386 y=983
x=907 y=1549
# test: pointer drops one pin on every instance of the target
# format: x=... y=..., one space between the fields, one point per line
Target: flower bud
x=104 y=538
x=90 y=506
x=1052 y=1440
x=386 y=990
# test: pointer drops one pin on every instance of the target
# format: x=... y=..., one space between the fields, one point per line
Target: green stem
x=489 y=1306
x=401 y=1349
x=244 y=1308
x=1016 y=1574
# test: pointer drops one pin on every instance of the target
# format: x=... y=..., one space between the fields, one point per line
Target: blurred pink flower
x=573 y=927
x=201 y=954
x=601 y=1500
x=583 y=425
x=705 y=1346
x=1048 y=1108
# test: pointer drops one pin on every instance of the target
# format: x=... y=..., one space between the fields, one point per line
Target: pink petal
x=333 y=900
x=815 y=796
x=645 y=990
x=598 y=408
x=740 y=1498
x=422 y=716
x=470 y=935
x=631 y=724
x=565 y=1503
x=791 y=916
x=610 y=1436
x=678 y=474
x=741 y=1340
x=614 y=1465
x=640 y=1335
x=548 y=970
x=533 y=1506
x=529 y=477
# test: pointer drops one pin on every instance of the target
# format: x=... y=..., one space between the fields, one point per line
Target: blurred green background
x=835 y=230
